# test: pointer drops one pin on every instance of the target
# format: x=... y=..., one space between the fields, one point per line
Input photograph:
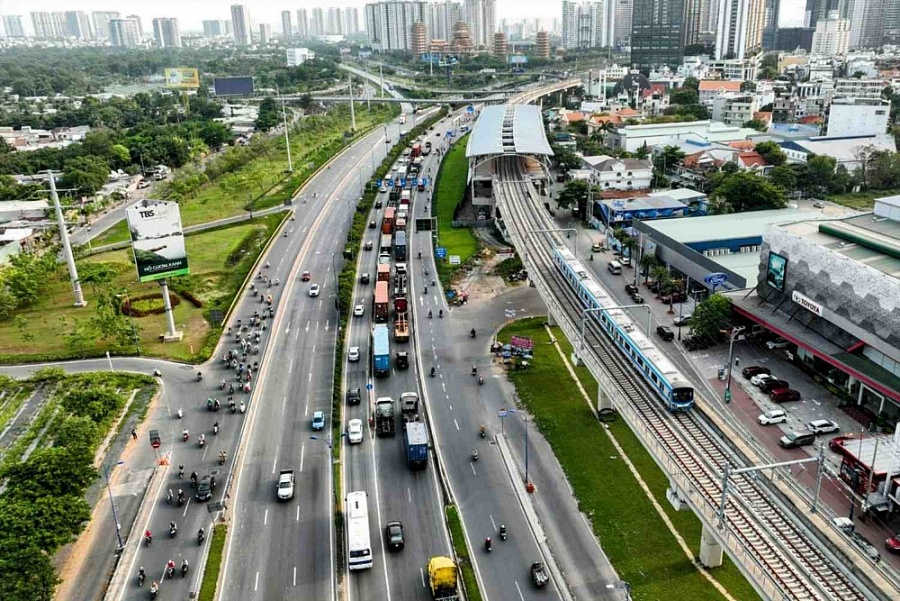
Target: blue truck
x=415 y=445
x=381 y=351
x=400 y=246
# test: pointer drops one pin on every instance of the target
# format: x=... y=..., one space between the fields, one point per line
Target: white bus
x=359 y=549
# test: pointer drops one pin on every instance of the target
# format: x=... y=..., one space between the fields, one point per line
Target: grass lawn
x=466 y=571
x=633 y=536
x=862 y=201
x=451 y=185
x=117 y=233
x=213 y=563
x=219 y=259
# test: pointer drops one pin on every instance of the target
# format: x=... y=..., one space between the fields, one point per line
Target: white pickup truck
x=285 y=485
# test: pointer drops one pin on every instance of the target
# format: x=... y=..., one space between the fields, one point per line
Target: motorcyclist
x=157 y=373
x=503 y=531
x=148 y=537
x=474 y=371
x=200 y=535
x=173 y=528
x=216 y=428
x=181 y=497
x=141 y=576
x=180 y=472
x=184 y=567
x=199 y=376
x=154 y=588
x=202 y=440
x=472 y=333
x=170 y=568
x=440 y=313
x=185 y=434
x=482 y=430
x=429 y=313
x=169 y=497
x=487 y=544
x=223 y=456
x=480 y=379
x=474 y=454
x=193 y=478
x=180 y=413
x=432 y=371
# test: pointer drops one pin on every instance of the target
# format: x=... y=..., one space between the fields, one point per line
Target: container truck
x=387 y=223
x=383 y=273
x=399 y=246
x=381 y=307
x=415 y=445
x=384 y=417
x=386 y=246
x=409 y=406
x=381 y=351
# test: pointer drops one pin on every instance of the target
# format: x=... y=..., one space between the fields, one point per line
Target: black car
x=754 y=370
x=637 y=298
x=631 y=289
x=205 y=488
x=372 y=225
x=354 y=396
x=665 y=333
x=394 y=534
x=364 y=278
x=402 y=360
x=377 y=204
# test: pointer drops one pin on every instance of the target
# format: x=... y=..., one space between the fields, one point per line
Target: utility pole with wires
x=352 y=111
x=287 y=140
x=67 y=246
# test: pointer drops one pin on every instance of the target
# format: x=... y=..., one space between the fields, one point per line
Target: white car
x=823 y=426
x=314 y=290
x=353 y=354
x=758 y=379
x=359 y=310
x=778 y=343
x=775 y=416
x=382 y=188
x=355 y=431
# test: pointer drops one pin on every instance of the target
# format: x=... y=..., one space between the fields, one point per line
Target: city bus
x=359 y=547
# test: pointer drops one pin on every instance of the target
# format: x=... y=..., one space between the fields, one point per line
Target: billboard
x=157 y=240
x=233 y=86
x=775 y=271
x=182 y=77
x=518 y=59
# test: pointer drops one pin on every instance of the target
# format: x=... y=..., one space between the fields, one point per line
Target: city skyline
x=192 y=15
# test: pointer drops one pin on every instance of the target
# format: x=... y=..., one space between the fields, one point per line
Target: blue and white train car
x=659 y=373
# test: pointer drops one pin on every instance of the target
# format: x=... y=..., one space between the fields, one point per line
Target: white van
x=614 y=267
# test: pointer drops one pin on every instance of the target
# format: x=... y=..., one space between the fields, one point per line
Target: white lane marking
x=288 y=328
x=408 y=495
x=290 y=368
x=422 y=576
x=298 y=511
x=256 y=582
x=456 y=423
x=520 y=590
x=451 y=406
x=314 y=349
x=472 y=465
x=310 y=376
x=186 y=506
x=275 y=461
x=493 y=523
x=302 y=453
x=297 y=336
x=284 y=405
x=266 y=517
x=307 y=326
x=327 y=322
x=444 y=386
x=295 y=567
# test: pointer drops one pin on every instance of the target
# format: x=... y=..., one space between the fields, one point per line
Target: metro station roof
x=508 y=129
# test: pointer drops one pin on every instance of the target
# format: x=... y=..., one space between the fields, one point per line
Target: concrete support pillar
x=603 y=400
x=575 y=359
x=710 y=549
x=550 y=319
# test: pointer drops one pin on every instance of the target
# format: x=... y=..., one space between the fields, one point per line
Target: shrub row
x=128 y=306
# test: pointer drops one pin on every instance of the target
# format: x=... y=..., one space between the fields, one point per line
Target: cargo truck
x=383 y=273
x=381 y=307
x=384 y=417
x=442 y=577
x=409 y=406
x=401 y=329
x=381 y=351
x=399 y=246
x=386 y=246
x=415 y=445
x=387 y=223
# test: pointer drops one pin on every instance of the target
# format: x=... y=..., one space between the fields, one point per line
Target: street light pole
x=287 y=140
x=734 y=332
x=113 y=506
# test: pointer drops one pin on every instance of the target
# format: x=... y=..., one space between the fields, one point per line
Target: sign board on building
x=518 y=59
x=775 y=271
x=807 y=303
x=440 y=252
x=182 y=78
x=715 y=279
x=157 y=240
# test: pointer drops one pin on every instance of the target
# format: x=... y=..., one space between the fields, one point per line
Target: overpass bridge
x=782 y=541
x=413 y=101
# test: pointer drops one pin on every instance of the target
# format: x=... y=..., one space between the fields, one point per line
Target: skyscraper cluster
x=166 y=33
x=302 y=24
x=389 y=24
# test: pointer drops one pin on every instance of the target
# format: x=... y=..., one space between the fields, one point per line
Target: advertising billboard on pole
x=182 y=77
x=157 y=240
x=233 y=86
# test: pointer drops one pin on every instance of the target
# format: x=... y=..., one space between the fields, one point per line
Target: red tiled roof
x=746 y=145
x=601 y=119
x=628 y=112
x=692 y=160
x=714 y=85
x=810 y=120
x=654 y=87
x=574 y=116
x=752 y=159
x=764 y=116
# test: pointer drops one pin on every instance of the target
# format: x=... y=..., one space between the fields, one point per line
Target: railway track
x=794 y=565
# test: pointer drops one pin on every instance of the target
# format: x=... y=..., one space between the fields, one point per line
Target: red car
x=893 y=543
x=304 y=277
x=754 y=370
x=784 y=395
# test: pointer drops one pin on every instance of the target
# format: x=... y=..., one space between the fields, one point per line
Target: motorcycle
x=184 y=568
x=216 y=429
x=170 y=572
x=181 y=498
x=154 y=590
x=141 y=577
x=180 y=413
x=502 y=531
x=474 y=454
x=222 y=458
x=441 y=313
x=200 y=536
x=429 y=313
x=487 y=544
x=169 y=497
x=233 y=406
x=472 y=333
x=480 y=380
x=482 y=431
x=173 y=530
x=199 y=376
x=432 y=372
x=185 y=435
x=180 y=472
x=243 y=406
x=222 y=384
x=148 y=539
x=201 y=441
x=157 y=373
x=193 y=479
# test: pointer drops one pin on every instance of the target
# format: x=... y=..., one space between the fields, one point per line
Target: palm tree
x=647 y=263
x=629 y=244
x=660 y=275
x=674 y=286
x=719 y=205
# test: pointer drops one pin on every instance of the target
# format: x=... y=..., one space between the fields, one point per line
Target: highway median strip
x=213 y=563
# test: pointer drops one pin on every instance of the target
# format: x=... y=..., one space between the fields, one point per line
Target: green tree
x=269 y=116
x=711 y=316
x=576 y=194
x=86 y=173
x=25 y=570
x=785 y=177
x=684 y=95
x=664 y=163
x=565 y=158
x=50 y=472
x=818 y=174
x=771 y=152
x=756 y=124
x=719 y=205
x=747 y=191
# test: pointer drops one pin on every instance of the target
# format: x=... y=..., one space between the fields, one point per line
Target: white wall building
x=857 y=117
x=740 y=28
x=240 y=25
x=734 y=109
x=832 y=36
x=611 y=173
x=859 y=88
x=124 y=33
x=298 y=56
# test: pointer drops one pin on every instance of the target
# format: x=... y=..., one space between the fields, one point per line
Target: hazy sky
x=192 y=12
